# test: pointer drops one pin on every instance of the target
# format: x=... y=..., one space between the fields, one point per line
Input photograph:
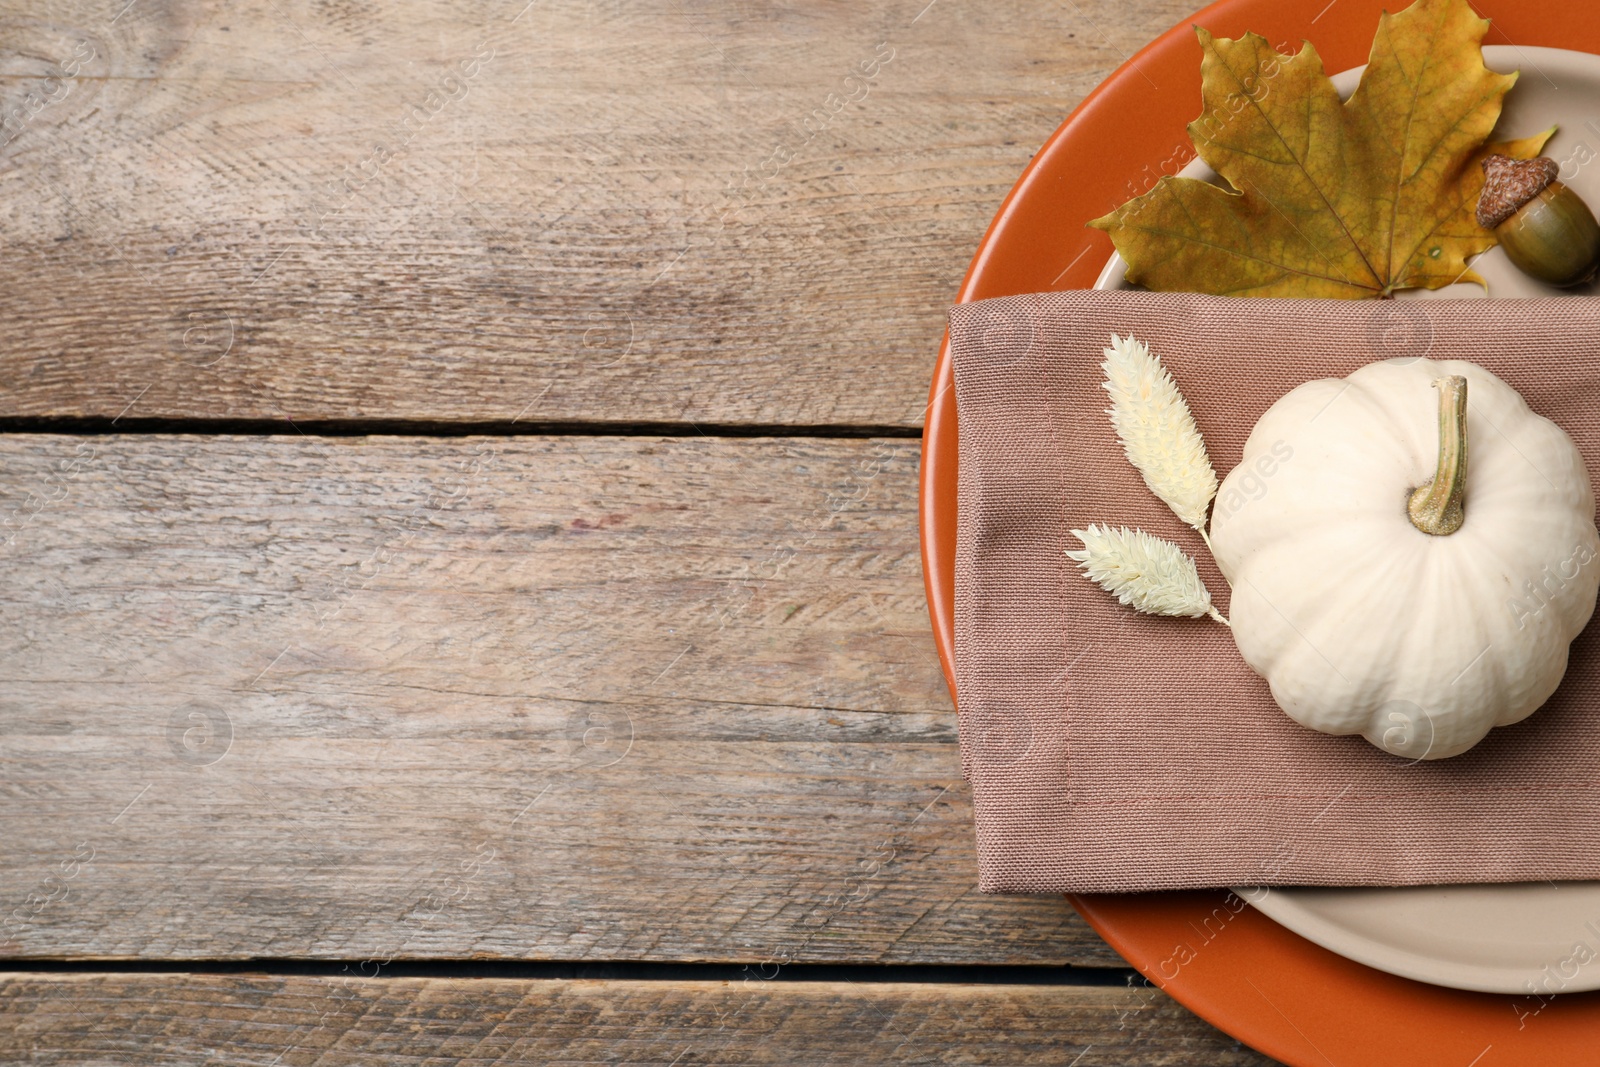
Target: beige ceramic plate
x=1541 y=937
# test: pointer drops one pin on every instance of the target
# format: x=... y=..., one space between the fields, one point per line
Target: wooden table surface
x=460 y=574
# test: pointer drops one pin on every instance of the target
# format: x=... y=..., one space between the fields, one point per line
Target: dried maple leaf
x=1330 y=199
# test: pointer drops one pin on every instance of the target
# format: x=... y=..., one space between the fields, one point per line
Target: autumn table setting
x=736 y=533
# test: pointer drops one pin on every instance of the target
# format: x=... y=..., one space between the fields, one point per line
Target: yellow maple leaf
x=1330 y=198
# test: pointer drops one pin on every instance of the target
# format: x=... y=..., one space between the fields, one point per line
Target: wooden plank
x=173 y=1020
x=565 y=210
x=529 y=697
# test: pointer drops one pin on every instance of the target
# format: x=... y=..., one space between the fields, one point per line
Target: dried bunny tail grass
x=1157 y=430
x=1144 y=572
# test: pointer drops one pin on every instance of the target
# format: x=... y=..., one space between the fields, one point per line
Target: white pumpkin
x=1360 y=620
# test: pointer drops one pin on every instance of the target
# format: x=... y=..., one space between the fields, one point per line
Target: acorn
x=1546 y=228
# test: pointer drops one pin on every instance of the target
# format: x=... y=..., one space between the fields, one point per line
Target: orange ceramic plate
x=1280 y=993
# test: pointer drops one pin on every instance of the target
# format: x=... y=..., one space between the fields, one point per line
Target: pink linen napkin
x=1113 y=751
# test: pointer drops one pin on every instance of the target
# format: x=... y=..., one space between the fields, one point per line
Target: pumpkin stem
x=1436 y=507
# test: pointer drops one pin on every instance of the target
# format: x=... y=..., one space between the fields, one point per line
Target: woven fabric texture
x=1112 y=751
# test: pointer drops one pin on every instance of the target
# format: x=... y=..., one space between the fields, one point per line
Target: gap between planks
x=593 y=970
x=101 y=427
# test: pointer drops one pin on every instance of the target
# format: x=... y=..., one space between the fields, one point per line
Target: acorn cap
x=1509 y=183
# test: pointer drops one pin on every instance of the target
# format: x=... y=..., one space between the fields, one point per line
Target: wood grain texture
x=545 y=698
x=563 y=210
x=135 y=1020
